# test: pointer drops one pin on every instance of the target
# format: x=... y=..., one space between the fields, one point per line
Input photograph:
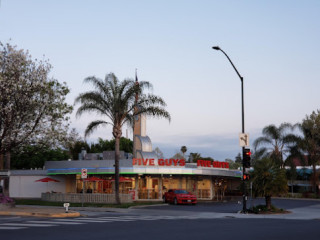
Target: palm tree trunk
x=1 y=161
x=117 y=159
x=268 y=202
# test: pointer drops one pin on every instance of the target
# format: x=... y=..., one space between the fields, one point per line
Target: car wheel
x=175 y=201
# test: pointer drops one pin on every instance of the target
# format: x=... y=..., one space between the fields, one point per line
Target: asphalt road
x=166 y=222
x=173 y=229
x=234 y=207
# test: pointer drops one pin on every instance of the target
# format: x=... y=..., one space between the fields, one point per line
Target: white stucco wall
x=27 y=187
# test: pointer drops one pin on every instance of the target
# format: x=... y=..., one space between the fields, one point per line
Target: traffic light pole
x=244 y=200
x=244 y=208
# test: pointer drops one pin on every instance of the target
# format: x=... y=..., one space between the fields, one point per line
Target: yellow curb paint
x=35 y=214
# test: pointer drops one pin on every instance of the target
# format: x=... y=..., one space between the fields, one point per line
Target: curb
x=39 y=214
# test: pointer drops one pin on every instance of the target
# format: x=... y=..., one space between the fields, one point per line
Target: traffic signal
x=246 y=177
x=246 y=158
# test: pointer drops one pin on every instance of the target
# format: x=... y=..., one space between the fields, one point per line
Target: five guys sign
x=177 y=162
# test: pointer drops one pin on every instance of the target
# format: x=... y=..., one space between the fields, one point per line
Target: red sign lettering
x=178 y=162
x=215 y=164
x=161 y=162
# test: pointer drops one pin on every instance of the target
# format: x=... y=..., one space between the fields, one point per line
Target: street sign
x=84 y=173
x=244 y=139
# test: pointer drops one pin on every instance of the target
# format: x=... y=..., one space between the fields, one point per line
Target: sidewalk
x=38 y=211
x=302 y=213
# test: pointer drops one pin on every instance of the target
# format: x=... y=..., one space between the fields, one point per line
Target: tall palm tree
x=118 y=102
x=275 y=142
x=183 y=150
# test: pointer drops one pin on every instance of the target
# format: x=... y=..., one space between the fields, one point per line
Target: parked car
x=179 y=196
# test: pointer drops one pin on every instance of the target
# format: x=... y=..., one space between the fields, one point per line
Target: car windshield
x=180 y=192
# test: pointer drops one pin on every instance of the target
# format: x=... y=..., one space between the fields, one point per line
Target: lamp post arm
x=242 y=95
x=241 y=78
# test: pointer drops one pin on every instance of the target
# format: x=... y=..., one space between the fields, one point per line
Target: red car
x=179 y=196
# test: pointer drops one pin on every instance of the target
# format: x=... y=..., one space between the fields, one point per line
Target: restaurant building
x=142 y=174
x=148 y=178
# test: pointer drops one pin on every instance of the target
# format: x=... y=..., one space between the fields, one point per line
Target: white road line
x=27 y=225
x=133 y=218
x=111 y=219
x=94 y=219
x=115 y=218
x=149 y=218
x=9 y=218
x=137 y=218
x=191 y=217
x=11 y=228
x=169 y=217
x=120 y=220
x=83 y=220
x=56 y=222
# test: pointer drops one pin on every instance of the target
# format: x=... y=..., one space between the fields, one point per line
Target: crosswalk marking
x=57 y=222
x=84 y=220
x=27 y=225
x=11 y=228
x=117 y=219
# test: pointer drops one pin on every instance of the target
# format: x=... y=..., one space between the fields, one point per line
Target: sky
x=273 y=44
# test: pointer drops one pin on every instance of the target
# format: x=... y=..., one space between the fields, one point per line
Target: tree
x=77 y=148
x=183 y=150
x=32 y=105
x=309 y=144
x=233 y=164
x=70 y=142
x=102 y=145
x=238 y=159
x=268 y=180
x=275 y=142
x=126 y=145
x=194 y=157
x=159 y=153
x=118 y=102
x=177 y=156
x=35 y=156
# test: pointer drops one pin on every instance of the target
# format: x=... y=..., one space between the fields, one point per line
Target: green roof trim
x=133 y=173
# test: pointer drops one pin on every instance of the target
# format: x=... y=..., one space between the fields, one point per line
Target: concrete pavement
x=303 y=213
x=311 y=212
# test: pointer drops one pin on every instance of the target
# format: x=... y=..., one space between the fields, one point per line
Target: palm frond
x=262 y=141
x=271 y=131
x=157 y=112
x=93 y=126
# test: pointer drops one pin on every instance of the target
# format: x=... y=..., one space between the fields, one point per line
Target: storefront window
x=104 y=184
x=204 y=188
x=220 y=186
x=170 y=183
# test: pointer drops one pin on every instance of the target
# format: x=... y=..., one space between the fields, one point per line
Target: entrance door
x=192 y=185
x=148 y=188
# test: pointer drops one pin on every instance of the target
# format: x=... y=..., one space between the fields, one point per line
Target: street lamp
x=244 y=209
